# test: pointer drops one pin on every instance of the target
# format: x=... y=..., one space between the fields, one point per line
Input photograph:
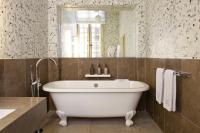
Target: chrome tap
x=37 y=82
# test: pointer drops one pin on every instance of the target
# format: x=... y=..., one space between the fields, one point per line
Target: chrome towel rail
x=181 y=73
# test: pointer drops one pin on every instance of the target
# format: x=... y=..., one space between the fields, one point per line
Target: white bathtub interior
x=119 y=85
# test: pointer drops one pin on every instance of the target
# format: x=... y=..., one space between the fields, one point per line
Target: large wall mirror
x=97 y=32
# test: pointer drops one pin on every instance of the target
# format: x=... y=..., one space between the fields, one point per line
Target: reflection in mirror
x=97 y=32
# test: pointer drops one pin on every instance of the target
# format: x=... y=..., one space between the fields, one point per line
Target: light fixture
x=98 y=17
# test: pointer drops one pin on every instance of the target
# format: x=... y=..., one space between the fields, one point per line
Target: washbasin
x=5 y=112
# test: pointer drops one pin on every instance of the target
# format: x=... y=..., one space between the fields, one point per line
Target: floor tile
x=142 y=124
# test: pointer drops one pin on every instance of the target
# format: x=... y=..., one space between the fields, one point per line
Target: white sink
x=5 y=112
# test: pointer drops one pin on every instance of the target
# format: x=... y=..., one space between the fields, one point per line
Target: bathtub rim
x=46 y=88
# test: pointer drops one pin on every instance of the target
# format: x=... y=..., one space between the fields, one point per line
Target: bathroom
x=132 y=38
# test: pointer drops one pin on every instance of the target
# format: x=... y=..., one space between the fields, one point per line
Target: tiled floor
x=143 y=124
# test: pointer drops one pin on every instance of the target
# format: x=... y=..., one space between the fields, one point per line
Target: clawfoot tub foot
x=129 y=117
x=63 y=117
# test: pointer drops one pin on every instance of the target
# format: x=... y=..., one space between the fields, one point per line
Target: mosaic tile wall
x=166 y=28
x=141 y=47
x=23 y=28
x=110 y=33
x=173 y=28
x=53 y=46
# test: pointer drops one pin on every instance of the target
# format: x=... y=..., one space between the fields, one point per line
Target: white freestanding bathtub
x=96 y=98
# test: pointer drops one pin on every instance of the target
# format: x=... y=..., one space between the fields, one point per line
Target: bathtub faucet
x=37 y=82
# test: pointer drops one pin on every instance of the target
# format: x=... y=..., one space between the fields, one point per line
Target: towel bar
x=181 y=73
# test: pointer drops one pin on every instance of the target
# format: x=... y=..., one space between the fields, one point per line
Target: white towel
x=169 y=99
x=159 y=84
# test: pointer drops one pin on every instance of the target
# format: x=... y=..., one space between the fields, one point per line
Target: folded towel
x=169 y=99
x=159 y=84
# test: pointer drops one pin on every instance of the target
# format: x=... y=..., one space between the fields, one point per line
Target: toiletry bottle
x=105 y=71
x=92 y=69
x=99 y=70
